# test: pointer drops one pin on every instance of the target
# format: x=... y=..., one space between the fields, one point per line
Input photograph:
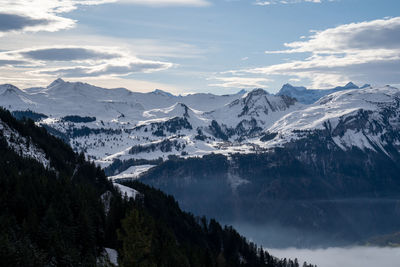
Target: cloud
x=48 y=15
x=80 y=62
x=285 y=2
x=68 y=54
x=365 y=52
x=364 y=36
x=37 y=15
x=161 y=3
x=146 y=48
x=107 y=69
x=239 y=82
x=8 y=62
x=11 y=22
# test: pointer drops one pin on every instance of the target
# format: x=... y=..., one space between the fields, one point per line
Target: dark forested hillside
x=168 y=236
x=59 y=215
x=49 y=216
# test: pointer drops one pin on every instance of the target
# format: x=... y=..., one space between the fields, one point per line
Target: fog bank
x=344 y=257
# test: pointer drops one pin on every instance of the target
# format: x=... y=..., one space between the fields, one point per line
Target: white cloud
x=39 y=15
x=17 y=68
x=146 y=48
x=69 y=54
x=285 y=2
x=157 y=3
x=48 y=15
x=366 y=51
x=107 y=69
x=381 y=34
x=239 y=82
x=73 y=61
x=263 y=3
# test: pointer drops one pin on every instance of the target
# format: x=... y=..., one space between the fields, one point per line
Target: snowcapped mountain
x=13 y=97
x=309 y=96
x=362 y=118
x=118 y=124
x=323 y=169
x=78 y=98
x=253 y=112
x=88 y=117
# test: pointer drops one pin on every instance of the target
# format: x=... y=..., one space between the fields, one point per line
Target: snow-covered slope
x=353 y=118
x=195 y=117
x=14 y=98
x=255 y=110
x=118 y=124
x=107 y=123
x=88 y=100
x=126 y=191
x=132 y=172
x=23 y=145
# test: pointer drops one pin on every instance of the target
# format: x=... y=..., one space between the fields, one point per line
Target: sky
x=188 y=46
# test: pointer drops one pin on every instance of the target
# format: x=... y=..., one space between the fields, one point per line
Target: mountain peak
x=56 y=82
x=365 y=86
x=260 y=101
x=8 y=86
x=287 y=89
x=256 y=92
x=181 y=108
x=161 y=92
x=9 y=89
x=351 y=85
x=181 y=104
x=63 y=88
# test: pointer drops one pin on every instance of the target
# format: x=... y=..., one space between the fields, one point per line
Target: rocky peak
x=185 y=109
x=9 y=89
x=241 y=92
x=259 y=101
x=349 y=85
x=162 y=93
x=287 y=89
x=56 y=82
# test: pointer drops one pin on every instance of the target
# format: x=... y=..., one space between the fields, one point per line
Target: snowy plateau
x=118 y=124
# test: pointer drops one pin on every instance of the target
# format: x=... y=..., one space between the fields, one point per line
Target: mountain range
x=322 y=164
x=196 y=124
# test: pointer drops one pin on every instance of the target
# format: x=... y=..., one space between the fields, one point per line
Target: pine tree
x=136 y=235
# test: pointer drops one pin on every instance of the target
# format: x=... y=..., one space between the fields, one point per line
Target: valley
x=330 y=168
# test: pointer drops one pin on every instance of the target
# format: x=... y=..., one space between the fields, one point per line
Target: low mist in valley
x=279 y=237
x=344 y=257
x=316 y=248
